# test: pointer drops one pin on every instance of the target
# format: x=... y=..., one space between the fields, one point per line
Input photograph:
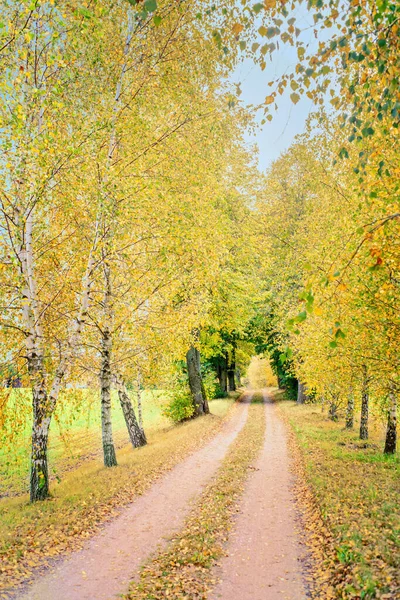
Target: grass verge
x=32 y=535
x=75 y=433
x=350 y=500
x=184 y=570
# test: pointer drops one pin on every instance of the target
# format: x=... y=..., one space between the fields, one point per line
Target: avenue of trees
x=137 y=233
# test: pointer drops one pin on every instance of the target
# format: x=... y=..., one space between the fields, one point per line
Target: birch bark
x=136 y=433
x=364 y=404
x=391 y=430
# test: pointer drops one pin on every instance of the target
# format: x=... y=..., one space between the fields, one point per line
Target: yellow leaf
x=237 y=28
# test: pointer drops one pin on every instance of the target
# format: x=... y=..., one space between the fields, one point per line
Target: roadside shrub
x=211 y=386
x=218 y=393
x=180 y=407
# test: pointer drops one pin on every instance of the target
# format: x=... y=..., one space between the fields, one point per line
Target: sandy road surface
x=264 y=553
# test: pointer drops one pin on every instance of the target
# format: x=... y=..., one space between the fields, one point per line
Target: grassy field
x=75 y=434
x=352 y=514
x=88 y=494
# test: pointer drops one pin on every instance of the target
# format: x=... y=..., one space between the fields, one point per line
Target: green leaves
x=285 y=355
x=367 y=131
x=85 y=12
x=258 y=7
x=150 y=5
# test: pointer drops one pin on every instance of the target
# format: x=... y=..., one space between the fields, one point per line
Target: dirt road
x=263 y=559
x=106 y=564
x=264 y=553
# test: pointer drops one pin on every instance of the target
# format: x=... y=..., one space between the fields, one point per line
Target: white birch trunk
x=364 y=404
x=139 y=400
x=105 y=374
x=391 y=431
x=136 y=434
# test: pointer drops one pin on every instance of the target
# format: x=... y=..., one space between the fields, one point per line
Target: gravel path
x=103 y=568
x=264 y=553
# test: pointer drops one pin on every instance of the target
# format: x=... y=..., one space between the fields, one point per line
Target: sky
x=288 y=120
x=275 y=136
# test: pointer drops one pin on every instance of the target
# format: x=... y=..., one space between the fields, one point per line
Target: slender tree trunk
x=364 y=404
x=222 y=375
x=333 y=411
x=219 y=376
x=231 y=370
x=231 y=380
x=32 y=319
x=139 y=401
x=203 y=389
x=136 y=434
x=391 y=431
x=110 y=459
x=39 y=477
x=350 y=411
x=301 y=393
x=195 y=383
x=224 y=379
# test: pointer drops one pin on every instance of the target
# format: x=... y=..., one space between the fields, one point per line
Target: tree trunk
x=333 y=411
x=136 y=434
x=195 y=383
x=364 y=404
x=231 y=380
x=231 y=371
x=203 y=389
x=139 y=401
x=110 y=459
x=32 y=320
x=301 y=393
x=39 y=478
x=224 y=379
x=107 y=216
x=350 y=411
x=219 y=375
x=391 y=431
x=222 y=376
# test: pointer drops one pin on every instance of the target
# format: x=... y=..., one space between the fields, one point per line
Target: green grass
x=357 y=493
x=75 y=433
